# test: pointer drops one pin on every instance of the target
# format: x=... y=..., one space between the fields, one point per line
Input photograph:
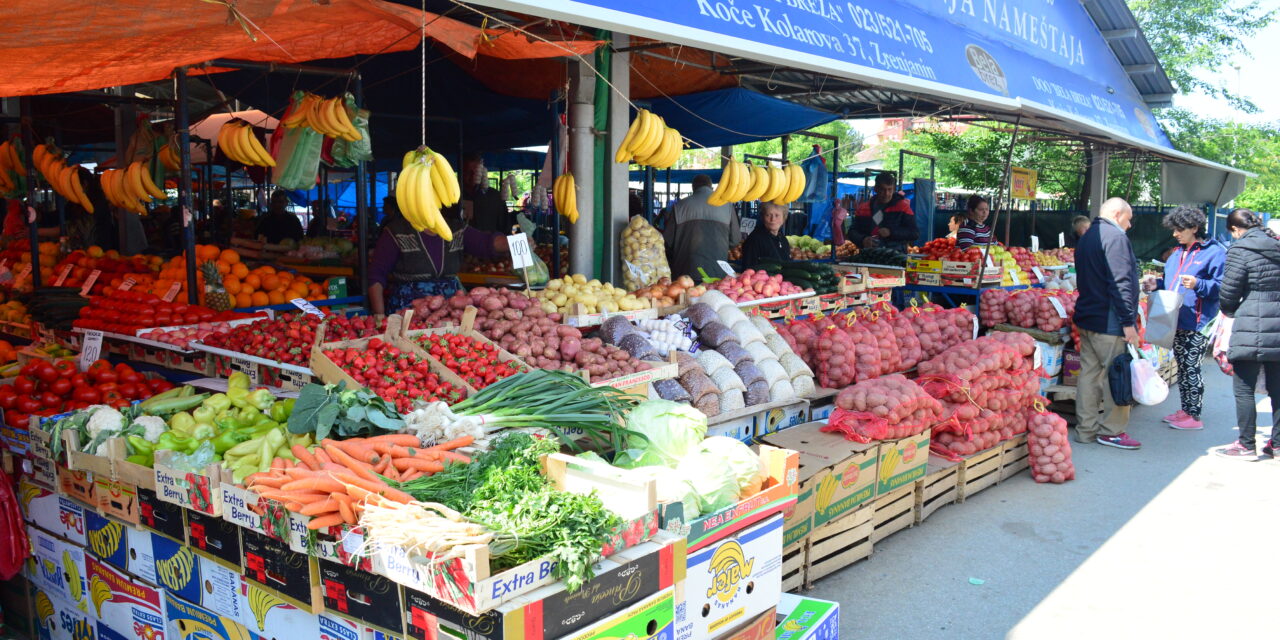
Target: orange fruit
x=232 y=284
x=270 y=282
x=239 y=270
x=276 y=297
x=230 y=256
x=298 y=289
x=260 y=299
x=252 y=281
x=244 y=300
x=223 y=267
x=265 y=269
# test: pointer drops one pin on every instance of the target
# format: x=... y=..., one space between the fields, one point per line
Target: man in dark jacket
x=1107 y=315
x=886 y=220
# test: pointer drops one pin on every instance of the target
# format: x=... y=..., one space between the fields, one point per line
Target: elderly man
x=698 y=234
x=1106 y=313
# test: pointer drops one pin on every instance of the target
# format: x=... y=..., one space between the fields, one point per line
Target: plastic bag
x=1163 y=307
x=1148 y=387
x=644 y=258
x=15 y=534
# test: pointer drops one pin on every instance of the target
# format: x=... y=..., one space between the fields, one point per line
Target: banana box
x=836 y=476
x=164 y=518
x=59 y=619
x=51 y=511
x=78 y=484
x=292 y=577
x=214 y=538
x=367 y=597
x=117 y=499
x=121 y=546
x=124 y=608
x=335 y=627
x=189 y=621
x=195 y=579
x=731 y=582
x=902 y=462
x=653 y=618
x=270 y=618
x=801 y=618
x=57 y=568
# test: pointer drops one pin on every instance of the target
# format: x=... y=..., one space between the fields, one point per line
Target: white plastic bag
x=1148 y=387
x=1163 y=307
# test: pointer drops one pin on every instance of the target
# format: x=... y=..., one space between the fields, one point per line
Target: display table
x=955 y=296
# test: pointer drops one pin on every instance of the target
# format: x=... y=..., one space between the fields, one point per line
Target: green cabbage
x=673 y=431
x=735 y=455
x=715 y=483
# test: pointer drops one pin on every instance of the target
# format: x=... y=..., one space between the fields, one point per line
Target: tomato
x=28 y=404
x=85 y=393
x=158 y=385
x=16 y=419
x=8 y=401
x=128 y=376
x=24 y=385
x=61 y=386
x=50 y=400
x=65 y=368
x=80 y=380
x=105 y=376
x=46 y=373
x=99 y=366
x=114 y=399
x=128 y=390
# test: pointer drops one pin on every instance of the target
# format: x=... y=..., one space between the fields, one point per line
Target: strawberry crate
x=328 y=372
x=408 y=340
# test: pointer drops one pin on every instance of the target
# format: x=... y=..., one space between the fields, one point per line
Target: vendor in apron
x=408 y=264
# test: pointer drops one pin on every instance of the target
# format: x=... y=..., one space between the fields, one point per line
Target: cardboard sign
x=248 y=368
x=128 y=283
x=728 y=270
x=1035 y=244
x=172 y=292
x=1022 y=183
x=521 y=256
x=88 y=282
x=62 y=275
x=307 y=307
x=91 y=350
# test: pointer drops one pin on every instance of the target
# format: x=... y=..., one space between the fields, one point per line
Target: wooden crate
x=979 y=471
x=839 y=544
x=940 y=487
x=894 y=512
x=1014 y=457
x=794 y=561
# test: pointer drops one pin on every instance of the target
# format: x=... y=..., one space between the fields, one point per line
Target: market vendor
x=406 y=265
x=886 y=220
x=280 y=223
x=766 y=241
x=483 y=206
x=975 y=229
x=698 y=234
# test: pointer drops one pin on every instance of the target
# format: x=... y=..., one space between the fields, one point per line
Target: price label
x=1035 y=244
x=975 y=328
x=1062 y=240
x=88 y=282
x=307 y=307
x=21 y=278
x=1038 y=272
x=247 y=367
x=1057 y=306
x=128 y=283
x=728 y=270
x=518 y=245
x=172 y=292
x=989 y=262
x=1013 y=275
x=91 y=350
x=31 y=215
x=747 y=226
x=62 y=275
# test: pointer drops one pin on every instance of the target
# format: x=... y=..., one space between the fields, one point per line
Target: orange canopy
x=59 y=46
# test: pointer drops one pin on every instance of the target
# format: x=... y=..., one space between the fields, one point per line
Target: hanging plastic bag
x=1148 y=387
x=1220 y=341
x=815 y=177
x=12 y=531
x=644 y=257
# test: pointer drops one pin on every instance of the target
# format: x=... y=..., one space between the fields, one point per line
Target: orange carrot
x=328 y=485
x=375 y=487
x=401 y=439
x=427 y=466
x=456 y=443
x=344 y=507
x=324 y=522
x=274 y=482
x=453 y=455
x=277 y=464
x=294 y=506
x=362 y=469
x=411 y=474
x=353 y=447
x=322 y=456
x=392 y=473
x=319 y=508
x=304 y=457
x=382 y=465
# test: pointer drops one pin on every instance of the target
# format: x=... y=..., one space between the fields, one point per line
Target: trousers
x=1096 y=411
x=1188 y=352
x=1244 y=385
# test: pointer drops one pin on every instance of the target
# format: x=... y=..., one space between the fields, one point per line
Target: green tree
x=1252 y=147
x=799 y=148
x=1195 y=39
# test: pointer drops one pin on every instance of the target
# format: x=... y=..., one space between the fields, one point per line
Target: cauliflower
x=104 y=423
x=149 y=427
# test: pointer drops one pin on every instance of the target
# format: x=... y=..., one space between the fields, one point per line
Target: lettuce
x=738 y=457
x=668 y=432
x=715 y=483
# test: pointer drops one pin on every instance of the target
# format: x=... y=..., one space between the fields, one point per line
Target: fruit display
x=666 y=293
x=288 y=338
x=238 y=141
x=426 y=184
x=1048 y=258
x=47 y=388
x=744 y=182
x=806 y=248
x=846 y=251
x=398 y=377
x=818 y=276
x=131 y=188
x=754 y=285
x=15 y=311
x=183 y=336
x=644 y=255
x=1026 y=260
x=649 y=142
x=1002 y=258
x=12 y=171
x=477 y=362
x=112 y=268
x=1063 y=255
x=127 y=312
x=502 y=266
x=63 y=178
x=561 y=294
x=565 y=196
x=332 y=117
x=945 y=249
x=56 y=308
x=881 y=256
x=313 y=249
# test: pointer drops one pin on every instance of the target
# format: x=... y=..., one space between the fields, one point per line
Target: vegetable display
x=754 y=285
x=666 y=293
x=289 y=337
x=818 y=276
x=47 y=388
x=940 y=329
x=991 y=307
x=881 y=256
x=399 y=377
x=644 y=255
x=1049 y=447
x=885 y=408
x=129 y=311
x=595 y=297
x=477 y=363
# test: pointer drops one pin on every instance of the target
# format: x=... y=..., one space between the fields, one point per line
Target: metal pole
x=648 y=194
x=183 y=125
x=33 y=224
x=555 y=173
x=362 y=209
x=1004 y=182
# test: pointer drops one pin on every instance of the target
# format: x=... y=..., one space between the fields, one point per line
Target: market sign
x=1000 y=53
x=1022 y=183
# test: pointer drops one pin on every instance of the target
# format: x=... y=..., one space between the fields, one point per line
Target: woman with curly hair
x=1194 y=271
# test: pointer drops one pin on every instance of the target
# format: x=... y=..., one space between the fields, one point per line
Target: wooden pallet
x=940 y=487
x=894 y=512
x=1014 y=457
x=979 y=471
x=839 y=544
x=795 y=560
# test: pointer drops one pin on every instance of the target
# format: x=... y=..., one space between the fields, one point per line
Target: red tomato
x=28 y=404
x=46 y=373
x=66 y=368
x=61 y=386
x=50 y=400
x=128 y=390
x=80 y=380
x=24 y=385
x=128 y=376
x=99 y=366
x=158 y=385
x=85 y=393
x=105 y=376
x=16 y=418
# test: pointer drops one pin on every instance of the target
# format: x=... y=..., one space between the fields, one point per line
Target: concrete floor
x=1168 y=541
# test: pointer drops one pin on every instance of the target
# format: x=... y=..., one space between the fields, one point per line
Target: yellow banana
x=78 y=189
x=133 y=183
x=797 y=182
x=298 y=116
x=344 y=121
x=779 y=182
x=636 y=142
x=623 y=154
x=250 y=141
x=449 y=178
x=652 y=137
x=724 y=187
x=571 y=191
x=660 y=152
x=679 y=148
x=407 y=196
x=759 y=183
x=427 y=200
x=149 y=185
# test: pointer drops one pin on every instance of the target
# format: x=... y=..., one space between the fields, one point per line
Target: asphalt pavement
x=1169 y=541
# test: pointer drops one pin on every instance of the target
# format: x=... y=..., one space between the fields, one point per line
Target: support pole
x=555 y=173
x=1100 y=162
x=362 y=210
x=1000 y=201
x=183 y=126
x=617 y=178
x=33 y=222
x=582 y=109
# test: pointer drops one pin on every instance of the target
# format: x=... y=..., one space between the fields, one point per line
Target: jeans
x=1244 y=385
x=1096 y=412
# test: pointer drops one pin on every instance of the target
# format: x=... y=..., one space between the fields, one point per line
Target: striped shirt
x=972 y=233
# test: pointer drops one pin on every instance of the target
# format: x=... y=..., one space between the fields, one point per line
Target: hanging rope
x=422 y=46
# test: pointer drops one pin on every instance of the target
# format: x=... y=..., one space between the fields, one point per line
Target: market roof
x=1120 y=29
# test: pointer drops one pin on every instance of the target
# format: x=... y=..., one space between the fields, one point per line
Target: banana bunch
x=826 y=491
x=565 y=193
x=170 y=157
x=427 y=183
x=649 y=141
x=10 y=162
x=44 y=607
x=175 y=572
x=890 y=464
x=99 y=592
x=237 y=141
x=261 y=602
x=63 y=177
x=131 y=188
x=326 y=115
x=744 y=182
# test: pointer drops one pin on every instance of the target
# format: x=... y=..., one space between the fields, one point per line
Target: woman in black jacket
x=1250 y=292
x=766 y=241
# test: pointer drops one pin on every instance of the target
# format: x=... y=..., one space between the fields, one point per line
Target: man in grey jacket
x=698 y=234
x=1107 y=315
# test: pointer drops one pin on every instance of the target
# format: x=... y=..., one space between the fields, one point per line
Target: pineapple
x=216 y=296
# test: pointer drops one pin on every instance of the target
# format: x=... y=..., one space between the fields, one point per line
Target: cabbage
x=672 y=487
x=673 y=431
x=715 y=483
x=735 y=455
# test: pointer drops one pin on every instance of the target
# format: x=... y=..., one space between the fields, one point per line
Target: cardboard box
x=117 y=499
x=190 y=621
x=44 y=473
x=215 y=539
x=124 y=609
x=77 y=484
x=1050 y=357
x=368 y=597
x=920 y=264
x=925 y=279
x=801 y=618
x=550 y=612
x=739 y=425
x=336 y=627
x=57 y=568
x=778 y=495
x=164 y=518
x=52 y=512
x=270 y=618
x=732 y=581
x=60 y=619
x=761 y=628
x=196 y=580
x=841 y=474
x=126 y=548
x=188 y=489
x=650 y=619
x=1070 y=368
x=779 y=418
x=292 y=577
x=901 y=462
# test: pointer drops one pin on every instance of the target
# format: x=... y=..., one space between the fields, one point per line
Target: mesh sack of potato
x=644 y=259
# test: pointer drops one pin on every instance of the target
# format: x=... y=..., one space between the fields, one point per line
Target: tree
x=800 y=146
x=1252 y=147
x=1192 y=38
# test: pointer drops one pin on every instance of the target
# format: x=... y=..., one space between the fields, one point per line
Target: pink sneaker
x=1177 y=417
x=1119 y=441
x=1187 y=424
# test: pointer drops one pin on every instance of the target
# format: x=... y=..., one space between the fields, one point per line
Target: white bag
x=1148 y=387
x=1163 y=307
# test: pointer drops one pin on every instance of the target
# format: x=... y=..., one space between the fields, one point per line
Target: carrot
x=324 y=522
x=381 y=448
x=322 y=456
x=320 y=508
x=277 y=464
x=304 y=457
x=344 y=507
x=382 y=465
x=411 y=474
x=299 y=472
x=364 y=470
x=456 y=443
x=328 y=485
x=403 y=452
x=273 y=482
x=375 y=487
x=392 y=473
x=401 y=439
x=427 y=466
x=353 y=448
x=294 y=506
x=249 y=479
x=451 y=455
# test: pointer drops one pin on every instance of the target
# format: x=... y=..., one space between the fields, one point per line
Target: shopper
x=1194 y=271
x=1250 y=293
x=1106 y=313
x=1079 y=225
x=280 y=223
x=975 y=230
x=766 y=241
x=698 y=234
x=483 y=206
x=886 y=220
x=953 y=225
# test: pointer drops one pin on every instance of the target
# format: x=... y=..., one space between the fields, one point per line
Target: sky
x=1256 y=81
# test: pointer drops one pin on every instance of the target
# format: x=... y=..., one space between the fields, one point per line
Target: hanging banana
x=426 y=184
x=238 y=142
x=564 y=192
x=650 y=142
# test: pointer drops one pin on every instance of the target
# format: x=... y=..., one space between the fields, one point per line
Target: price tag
x=1038 y=272
x=518 y=245
x=1062 y=240
x=728 y=270
x=1017 y=281
x=128 y=283
x=21 y=278
x=975 y=328
x=62 y=275
x=1035 y=243
x=747 y=225
x=989 y=262
x=1057 y=306
x=91 y=349
x=247 y=367
x=172 y=292
x=88 y=282
x=307 y=307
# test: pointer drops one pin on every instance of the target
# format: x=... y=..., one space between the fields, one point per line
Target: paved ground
x=1169 y=541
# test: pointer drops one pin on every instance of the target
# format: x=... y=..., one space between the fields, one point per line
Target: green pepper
x=261 y=399
x=203 y=431
x=174 y=442
x=204 y=414
x=141 y=446
x=231 y=421
x=137 y=458
x=279 y=411
x=181 y=423
x=250 y=415
x=238 y=380
x=227 y=439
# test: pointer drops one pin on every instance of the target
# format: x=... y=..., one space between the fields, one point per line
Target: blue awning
x=735 y=116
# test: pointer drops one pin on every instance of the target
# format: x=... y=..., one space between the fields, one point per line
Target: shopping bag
x=1163 y=308
x=1148 y=387
x=1120 y=380
x=1220 y=343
